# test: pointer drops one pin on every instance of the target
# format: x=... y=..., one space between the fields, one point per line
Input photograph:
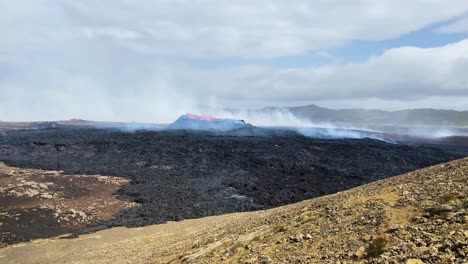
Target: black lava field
x=177 y=175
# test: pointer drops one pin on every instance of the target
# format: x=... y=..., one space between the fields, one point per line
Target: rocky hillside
x=418 y=217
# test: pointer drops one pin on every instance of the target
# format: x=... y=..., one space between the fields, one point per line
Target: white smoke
x=434 y=132
x=283 y=118
x=275 y=118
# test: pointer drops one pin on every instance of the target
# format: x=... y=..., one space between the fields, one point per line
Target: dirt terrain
x=38 y=204
x=176 y=175
x=419 y=217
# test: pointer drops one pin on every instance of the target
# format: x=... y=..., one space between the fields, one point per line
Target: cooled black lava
x=177 y=174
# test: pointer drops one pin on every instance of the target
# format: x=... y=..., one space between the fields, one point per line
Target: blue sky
x=426 y=37
x=350 y=52
x=154 y=60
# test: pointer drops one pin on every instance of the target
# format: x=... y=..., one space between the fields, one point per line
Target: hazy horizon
x=236 y=113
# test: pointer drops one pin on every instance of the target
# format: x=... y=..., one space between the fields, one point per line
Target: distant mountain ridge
x=417 y=117
x=342 y=117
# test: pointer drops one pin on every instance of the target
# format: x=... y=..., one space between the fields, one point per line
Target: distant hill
x=74 y=123
x=313 y=113
x=413 y=117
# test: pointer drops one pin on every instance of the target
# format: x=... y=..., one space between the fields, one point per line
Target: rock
x=360 y=252
x=419 y=251
x=32 y=192
x=439 y=210
x=419 y=242
x=47 y=196
x=394 y=228
x=295 y=239
x=414 y=261
x=264 y=259
x=251 y=260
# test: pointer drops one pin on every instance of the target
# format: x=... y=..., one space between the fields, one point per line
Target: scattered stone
x=414 y=261
x=360 y=252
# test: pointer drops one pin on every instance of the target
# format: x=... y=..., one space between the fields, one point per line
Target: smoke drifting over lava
x=261 y=121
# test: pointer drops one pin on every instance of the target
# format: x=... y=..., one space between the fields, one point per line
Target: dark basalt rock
x=178 y=174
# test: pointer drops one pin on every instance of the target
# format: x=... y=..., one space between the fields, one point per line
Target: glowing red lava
x=203 y=117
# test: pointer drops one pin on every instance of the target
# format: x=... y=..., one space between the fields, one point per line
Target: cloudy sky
x=151 y=60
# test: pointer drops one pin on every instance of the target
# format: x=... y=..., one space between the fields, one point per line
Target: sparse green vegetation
x=377 y=247
x=465 y=203
x=306 y=218
x=448 y=198
x=239 y=245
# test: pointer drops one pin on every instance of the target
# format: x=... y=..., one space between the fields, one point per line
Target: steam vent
x=209 y=123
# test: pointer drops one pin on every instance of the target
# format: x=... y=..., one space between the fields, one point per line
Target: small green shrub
x=377 y=247
x=465 y=203
x=306 y=219
x=448 y=198
x=239 y=245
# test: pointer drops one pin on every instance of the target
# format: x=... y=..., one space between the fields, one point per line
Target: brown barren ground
x=39 y=203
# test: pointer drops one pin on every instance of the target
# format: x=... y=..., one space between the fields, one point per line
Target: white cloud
x=131 y=60
x=116 y=33
x=210 y=28
x=159 y=91
x=458 y=26
x=404 y=74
